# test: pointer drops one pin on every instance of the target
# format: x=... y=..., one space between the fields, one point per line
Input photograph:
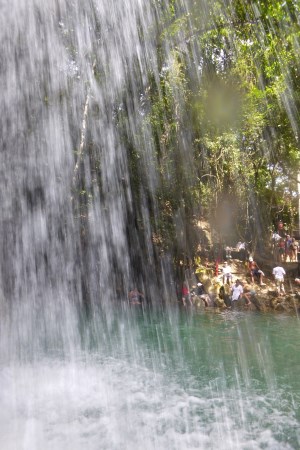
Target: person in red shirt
x=186 y=297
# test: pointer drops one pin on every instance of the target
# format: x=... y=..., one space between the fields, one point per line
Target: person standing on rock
x=293 y=250
x=281 y=249
x=227 y=275
x=287 y=244
x=279 y=274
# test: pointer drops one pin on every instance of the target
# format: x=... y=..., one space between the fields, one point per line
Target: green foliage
x=224 y=116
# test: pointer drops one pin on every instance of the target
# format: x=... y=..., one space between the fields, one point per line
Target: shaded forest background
x=222 y=114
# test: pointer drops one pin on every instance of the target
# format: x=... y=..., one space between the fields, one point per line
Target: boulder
x=281 y=307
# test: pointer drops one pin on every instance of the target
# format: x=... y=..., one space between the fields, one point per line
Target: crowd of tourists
x=229 y=290
x=285 y=247
x=223 y=288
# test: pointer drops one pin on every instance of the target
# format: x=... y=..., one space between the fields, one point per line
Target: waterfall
x=68 y=225
x=81 y=176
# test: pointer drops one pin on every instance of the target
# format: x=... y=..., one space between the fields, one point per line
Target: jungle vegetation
x=221 y=112
x=224 y=117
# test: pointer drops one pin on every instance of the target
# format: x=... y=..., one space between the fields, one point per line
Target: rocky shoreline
x=264 y=298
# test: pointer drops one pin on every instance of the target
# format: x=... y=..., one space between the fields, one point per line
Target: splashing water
x=77 y=368
x=219 y=382
x=67 y=70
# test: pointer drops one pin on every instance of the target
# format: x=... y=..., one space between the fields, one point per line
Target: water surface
x=173 y=380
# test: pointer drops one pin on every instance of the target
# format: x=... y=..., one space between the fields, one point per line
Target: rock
x=219 y=302
x=256 y=302
x=198 y=302
x=271 y=292
x=289 y=299
x=274 y=302
x=252 y=307
x=280 y=307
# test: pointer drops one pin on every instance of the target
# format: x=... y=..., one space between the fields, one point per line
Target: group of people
x=234 y=293
x=255 y=272
x=285 y=248
x=237 y=294
x=231 y=292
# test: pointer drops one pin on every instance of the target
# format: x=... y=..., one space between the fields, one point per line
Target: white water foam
x=109 y=404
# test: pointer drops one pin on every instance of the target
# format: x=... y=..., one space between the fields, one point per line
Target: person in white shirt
x=227 y=276
x=279 y=274
x=236 y=290
x=276 y=237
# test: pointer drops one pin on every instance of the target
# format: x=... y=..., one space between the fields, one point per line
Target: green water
x=167 y=380
x=245 y=368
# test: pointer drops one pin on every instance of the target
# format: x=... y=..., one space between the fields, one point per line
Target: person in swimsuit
x=255 y=271
x=135 y=296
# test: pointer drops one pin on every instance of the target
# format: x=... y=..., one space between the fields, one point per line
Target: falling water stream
x=78 y=368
